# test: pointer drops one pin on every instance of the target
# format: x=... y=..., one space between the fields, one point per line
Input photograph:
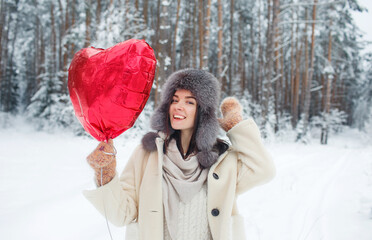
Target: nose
x=179 y=106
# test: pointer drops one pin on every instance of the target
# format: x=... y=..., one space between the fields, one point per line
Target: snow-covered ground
x=320 y=192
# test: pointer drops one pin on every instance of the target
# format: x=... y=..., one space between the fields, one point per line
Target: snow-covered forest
x=298 y=67
x=294 y=64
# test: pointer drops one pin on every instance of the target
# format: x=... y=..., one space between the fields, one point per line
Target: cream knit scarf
x=182 y=179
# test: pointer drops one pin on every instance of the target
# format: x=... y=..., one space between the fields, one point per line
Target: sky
x=364 y=20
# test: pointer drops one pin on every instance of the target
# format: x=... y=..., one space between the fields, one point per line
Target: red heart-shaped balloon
x=109 y=88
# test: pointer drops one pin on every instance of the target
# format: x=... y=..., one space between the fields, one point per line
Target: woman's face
x=182 y=110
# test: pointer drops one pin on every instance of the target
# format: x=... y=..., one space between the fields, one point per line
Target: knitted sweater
x=192 y=219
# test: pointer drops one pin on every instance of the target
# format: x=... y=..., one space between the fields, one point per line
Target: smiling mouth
x=178 y=117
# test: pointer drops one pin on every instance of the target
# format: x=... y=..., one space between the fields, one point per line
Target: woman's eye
x=189 y=102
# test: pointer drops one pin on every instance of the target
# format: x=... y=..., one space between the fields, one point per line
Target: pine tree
x=9 y=95
x=275 y=53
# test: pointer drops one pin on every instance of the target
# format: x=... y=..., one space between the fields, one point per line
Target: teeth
x=179 y=117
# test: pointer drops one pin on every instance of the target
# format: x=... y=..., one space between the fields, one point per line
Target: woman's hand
x=103 y=161
x=231 y=112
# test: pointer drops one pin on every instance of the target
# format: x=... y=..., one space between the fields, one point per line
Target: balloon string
x=112 y=154
x=104 y=206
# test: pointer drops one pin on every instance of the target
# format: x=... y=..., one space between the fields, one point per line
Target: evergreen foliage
x=268 y=53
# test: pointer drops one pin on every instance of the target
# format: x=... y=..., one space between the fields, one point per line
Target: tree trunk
x=287 y=92
x=329 y=76
x=2 y=22
x=174 y=45
x=305 y=78
x=126 y=13
x=335 y=96
x=269 y=66
x=61 y=32
x=73 y=20
x=278 y=75
x=145 y=12
x=310 y=77
x=201 y=32
x=53 y=41
x=292 y=75
x=163 y=47
x=241 y=64
x=341 y=92
x=283 y=81
x=157 y=53
x=40 y=49
x=220 y=40
x=66 y=48
x=38 y=63
x=186 y=40
x=296 y=86
x=194 y=35
x=41 y=58
x=324 y=89
x=98 y=12
x=136 y=5
x=260 y=56
x=5 y=74
x=206 y=36
x=253 y=85
x=231 y=57
x=87 y=22
x=10 y=101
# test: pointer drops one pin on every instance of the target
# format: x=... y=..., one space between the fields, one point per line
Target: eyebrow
x=185 y=97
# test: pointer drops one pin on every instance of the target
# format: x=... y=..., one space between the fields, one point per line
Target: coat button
x=215 y=212
x=215 y=175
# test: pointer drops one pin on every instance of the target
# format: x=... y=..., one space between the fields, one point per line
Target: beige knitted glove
x=231 y=112
x=103 y=159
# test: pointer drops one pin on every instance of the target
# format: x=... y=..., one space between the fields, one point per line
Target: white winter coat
x=136 y=197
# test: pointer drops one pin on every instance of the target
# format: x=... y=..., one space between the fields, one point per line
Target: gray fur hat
x=206 y=89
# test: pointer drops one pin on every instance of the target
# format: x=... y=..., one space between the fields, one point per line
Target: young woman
x=182 y=181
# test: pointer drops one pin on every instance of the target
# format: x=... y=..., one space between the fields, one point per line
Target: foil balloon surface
x=110 y=87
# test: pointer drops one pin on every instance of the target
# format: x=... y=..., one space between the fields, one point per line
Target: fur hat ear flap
x=148 y=141
x=207 y=158
x=206 y=136
x=207 y=131
x=159 y=119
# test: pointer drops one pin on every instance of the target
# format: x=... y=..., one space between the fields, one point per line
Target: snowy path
x=310 y=210
x=319 y=193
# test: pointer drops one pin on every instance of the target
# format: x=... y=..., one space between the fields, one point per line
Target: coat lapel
x=151 y=210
